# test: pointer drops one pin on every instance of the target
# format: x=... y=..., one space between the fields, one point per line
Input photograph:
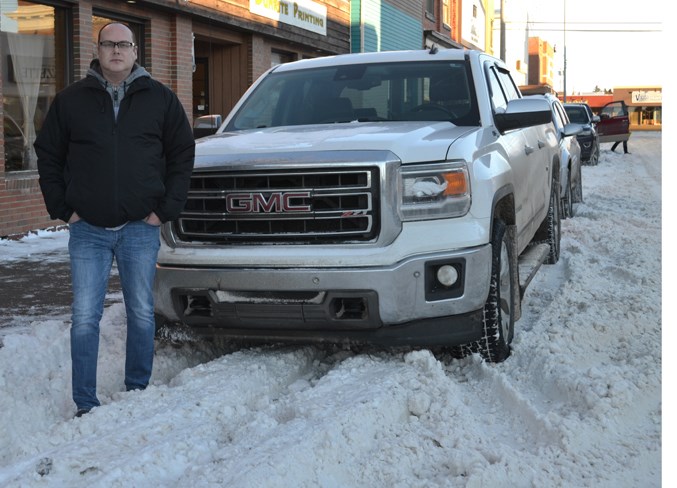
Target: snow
x=578 y=404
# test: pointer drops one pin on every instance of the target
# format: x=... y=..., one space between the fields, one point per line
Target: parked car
x=569 y=155
x=401 y=198
x=588 y=139
x=614 y=123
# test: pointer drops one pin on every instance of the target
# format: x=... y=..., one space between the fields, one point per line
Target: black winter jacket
x=111 y=172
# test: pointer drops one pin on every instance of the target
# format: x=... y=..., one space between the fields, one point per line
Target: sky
x=578 y=404
x=602 y=49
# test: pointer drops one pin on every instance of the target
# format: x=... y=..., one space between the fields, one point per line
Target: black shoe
x=81 y=412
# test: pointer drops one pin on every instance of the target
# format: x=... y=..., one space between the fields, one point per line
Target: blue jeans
x=92 y=250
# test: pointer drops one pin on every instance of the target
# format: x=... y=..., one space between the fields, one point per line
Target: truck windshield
x=415 y=91
x=577 y=115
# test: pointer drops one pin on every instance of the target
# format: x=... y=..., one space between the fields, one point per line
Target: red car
x=614 y=123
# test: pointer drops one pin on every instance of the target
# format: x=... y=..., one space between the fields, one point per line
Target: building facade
x=541 y=62
x=644 y=103
x=209 y=52
x=388 y=25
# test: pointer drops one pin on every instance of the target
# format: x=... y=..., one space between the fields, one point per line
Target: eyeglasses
x=122 y=45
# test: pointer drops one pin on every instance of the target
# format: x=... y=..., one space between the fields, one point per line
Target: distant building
x=388 y=25
x=510 y=37
x=645 y=104
x=541 y=62
x=209 y=52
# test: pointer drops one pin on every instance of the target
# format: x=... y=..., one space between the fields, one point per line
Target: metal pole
x=564 y=98
x=503 y=30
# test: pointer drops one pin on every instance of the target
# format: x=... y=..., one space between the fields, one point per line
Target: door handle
x=541 y=144
x=528 y=150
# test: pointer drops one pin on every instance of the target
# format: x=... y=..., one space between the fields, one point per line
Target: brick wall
x=168 y=59
x=21 y=207
x=168 y=40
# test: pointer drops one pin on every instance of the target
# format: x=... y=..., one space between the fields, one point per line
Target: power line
x=586 y=22
x=538 y=29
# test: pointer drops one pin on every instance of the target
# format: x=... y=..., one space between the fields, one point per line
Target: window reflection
x=32 y=70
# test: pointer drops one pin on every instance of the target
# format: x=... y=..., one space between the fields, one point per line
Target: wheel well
x=504 y=209
x=556 y=170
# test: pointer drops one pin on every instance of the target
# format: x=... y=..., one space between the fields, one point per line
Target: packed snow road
x=578 y=404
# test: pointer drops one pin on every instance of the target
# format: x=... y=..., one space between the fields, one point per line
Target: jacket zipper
x=115 y=149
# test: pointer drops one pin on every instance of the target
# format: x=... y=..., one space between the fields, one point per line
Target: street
x=38 y=286
x=577 y=404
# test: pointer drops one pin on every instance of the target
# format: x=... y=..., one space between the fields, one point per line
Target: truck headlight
x=434 y=191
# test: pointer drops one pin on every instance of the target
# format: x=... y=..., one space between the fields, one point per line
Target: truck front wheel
x=499 y=312
x=550 y=229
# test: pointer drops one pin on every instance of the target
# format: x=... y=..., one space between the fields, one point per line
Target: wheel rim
x=505 y=287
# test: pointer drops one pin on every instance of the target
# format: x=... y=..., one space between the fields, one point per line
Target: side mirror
x=524 y=112
x=572 y=130
x=206 y=125
x=595 y=119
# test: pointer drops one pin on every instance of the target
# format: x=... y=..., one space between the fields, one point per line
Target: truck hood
x=409 y=141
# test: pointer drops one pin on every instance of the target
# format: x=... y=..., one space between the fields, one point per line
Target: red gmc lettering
x=259 y=203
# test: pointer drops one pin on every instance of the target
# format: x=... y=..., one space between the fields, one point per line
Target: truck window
x=498 y=97
x=379 y=92
x=508 y=84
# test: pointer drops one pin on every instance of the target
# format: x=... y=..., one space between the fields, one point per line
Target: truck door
x=527 y=155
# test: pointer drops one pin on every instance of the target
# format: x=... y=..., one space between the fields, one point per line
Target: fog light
x=447 y=275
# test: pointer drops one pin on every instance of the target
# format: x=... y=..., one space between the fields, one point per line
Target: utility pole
x=564 y=98
x=503 y=30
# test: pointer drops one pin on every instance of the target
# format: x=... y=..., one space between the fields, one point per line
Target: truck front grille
x=296 y=206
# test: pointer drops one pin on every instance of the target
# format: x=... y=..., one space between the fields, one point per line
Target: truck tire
x=567 y=201
x=577 y=191
x=550 y=229
x=499 y=312
x=594 y=157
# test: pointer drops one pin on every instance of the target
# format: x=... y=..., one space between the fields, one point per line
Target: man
x=625 y=146
x=115 y=155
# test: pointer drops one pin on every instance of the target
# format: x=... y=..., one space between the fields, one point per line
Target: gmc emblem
x=280 y=202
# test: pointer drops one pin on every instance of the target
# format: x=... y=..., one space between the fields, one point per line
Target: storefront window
x=278 y=57
x=651 y=116
x=646 y=116
x=34 y=68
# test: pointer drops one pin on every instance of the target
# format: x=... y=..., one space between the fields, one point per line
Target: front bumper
x=402 y=304
x=587 y=145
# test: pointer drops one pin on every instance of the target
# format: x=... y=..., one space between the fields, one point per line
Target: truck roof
x=381 y=57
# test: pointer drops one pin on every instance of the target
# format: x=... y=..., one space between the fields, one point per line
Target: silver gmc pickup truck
x=393 y=198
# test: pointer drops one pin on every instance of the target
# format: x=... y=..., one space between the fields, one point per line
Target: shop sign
x=648 y=96
x=473 y=23
x=24 y=69
x=304 y=14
